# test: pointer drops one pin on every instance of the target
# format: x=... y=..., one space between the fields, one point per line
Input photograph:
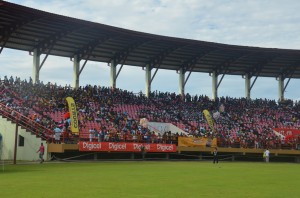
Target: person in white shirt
x=91 y=135
x=267 y=155
x=57 y=132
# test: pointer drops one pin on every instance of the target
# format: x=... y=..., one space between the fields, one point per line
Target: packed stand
x=113 y=115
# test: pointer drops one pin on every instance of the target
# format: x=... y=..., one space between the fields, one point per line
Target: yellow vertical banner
x=73 y=115
x=209 y=119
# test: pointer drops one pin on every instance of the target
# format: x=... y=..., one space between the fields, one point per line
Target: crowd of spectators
x=102 y=116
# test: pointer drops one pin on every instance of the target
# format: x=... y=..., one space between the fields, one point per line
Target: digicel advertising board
x=126 y=147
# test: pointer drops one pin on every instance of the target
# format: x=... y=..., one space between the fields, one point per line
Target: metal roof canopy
x=24 y=28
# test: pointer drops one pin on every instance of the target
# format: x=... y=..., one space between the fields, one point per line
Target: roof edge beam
x=82 y=67
x=220 y=81
x=44 y=60
x=53 y=38
x=190 y=63
x=252 y=84
x=187 y=78
x=120 y=69
x=2 y=47
x=9 y=30
x=88 y=48
x=286 y=84
x=123 y=53
x=158 y=59
x=154 y=75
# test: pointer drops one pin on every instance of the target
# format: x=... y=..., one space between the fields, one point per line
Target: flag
x=209 y=119
x=73 y=115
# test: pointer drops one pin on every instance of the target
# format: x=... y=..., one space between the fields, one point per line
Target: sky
x=259 y=23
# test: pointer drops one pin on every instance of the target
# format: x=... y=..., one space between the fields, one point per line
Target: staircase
x=30 y=125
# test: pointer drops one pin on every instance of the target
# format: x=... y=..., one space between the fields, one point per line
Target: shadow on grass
x=21 y=167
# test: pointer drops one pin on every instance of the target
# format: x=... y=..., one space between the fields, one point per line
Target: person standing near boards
x=215 y=153
x=143 y=152
x=266 y=155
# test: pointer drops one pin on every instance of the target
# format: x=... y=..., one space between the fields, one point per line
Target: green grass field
x=151 y=179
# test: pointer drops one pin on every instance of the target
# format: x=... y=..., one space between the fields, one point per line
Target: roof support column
x=181 y=82
x=280 y=88
x=214 y=76
x=76 y=65
x=113 y=74
x=148 y=80
x=36 y=66
x=247 y=86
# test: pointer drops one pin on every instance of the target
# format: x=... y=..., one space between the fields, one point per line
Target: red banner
x=288 y=132
x=127 y=147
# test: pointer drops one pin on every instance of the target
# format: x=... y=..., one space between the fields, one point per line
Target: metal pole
x=16 y=142
x=1 y=155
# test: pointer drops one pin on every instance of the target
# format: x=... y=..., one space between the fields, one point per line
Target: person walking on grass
x=41 y=155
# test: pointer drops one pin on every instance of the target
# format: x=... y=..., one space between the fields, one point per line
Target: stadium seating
x=116 y=113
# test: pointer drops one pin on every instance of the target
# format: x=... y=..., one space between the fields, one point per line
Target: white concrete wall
x=31 y=142
x=165 y=127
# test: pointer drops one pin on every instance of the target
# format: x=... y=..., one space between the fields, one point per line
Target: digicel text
x=117 y=146
x=139 y=146
x=161 y=147
x=91 y=146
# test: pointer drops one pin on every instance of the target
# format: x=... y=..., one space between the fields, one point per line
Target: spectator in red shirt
x=42 y=151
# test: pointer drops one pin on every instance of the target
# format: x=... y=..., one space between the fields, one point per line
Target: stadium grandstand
x=114 y=123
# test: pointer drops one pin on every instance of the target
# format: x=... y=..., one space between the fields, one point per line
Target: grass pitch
x=151 y=179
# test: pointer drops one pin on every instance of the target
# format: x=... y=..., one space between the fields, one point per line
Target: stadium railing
x=27 y=123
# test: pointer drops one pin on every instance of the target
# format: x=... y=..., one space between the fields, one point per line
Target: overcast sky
x=261 y=23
